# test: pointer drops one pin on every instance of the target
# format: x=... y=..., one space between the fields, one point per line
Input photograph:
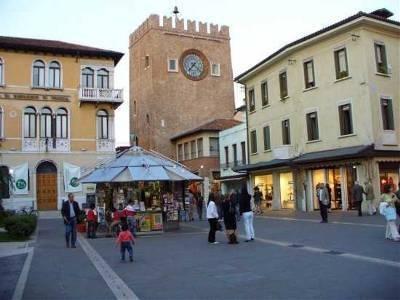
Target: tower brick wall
x=162 y=103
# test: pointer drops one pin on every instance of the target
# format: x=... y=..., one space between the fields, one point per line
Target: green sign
x=74 y=182
x=20 y=184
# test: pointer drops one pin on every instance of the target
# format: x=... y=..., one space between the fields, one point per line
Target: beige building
x=57 y=103
x=326 y=108
x=180 y=78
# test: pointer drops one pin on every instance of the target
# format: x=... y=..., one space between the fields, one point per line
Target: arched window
x=62 y=123
x=103 y=79
x=38 y=73
x=45 y=123
x=29 y=122
x=1 y=71
x=87 y=78
x=54 y=75
x=102 y=124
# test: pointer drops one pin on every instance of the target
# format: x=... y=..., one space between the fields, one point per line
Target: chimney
x=382 y=12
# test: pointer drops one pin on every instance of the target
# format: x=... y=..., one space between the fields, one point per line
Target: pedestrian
x=387 y=209
x=126 y=240
x=329 y=190
x=191 y=202
x=212 y=216
x=199 y=205
x=323 y=196
x=116 y=221
x=257 y=200
x=91 y=219
x=70 y=212
x=229 y=215
x=247 y=213
x=357 y=193
x=397 y=204
x=369 y=197
x=130 y=213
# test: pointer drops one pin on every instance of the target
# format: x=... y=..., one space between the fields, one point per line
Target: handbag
x=219 y=226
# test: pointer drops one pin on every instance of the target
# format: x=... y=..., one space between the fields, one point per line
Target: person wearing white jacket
x=212 y=216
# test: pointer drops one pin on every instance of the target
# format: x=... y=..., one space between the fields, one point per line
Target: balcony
x=95 y=95
x=105 y=145
x=231 y=164
x=46 y=145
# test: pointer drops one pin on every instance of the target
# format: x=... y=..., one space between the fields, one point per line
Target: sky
x=257 y=27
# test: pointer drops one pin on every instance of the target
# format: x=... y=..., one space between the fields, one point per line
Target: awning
x=271 y=164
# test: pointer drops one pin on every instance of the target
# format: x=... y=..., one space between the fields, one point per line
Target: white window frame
x=44 y=74
x=388 y=66
x=2 y=72
x=68 y=123
x=1 y=123
x=344 y=102
x=218 y=73
x=176 y=65
x=385 y=97
x=306 y=61
x=48 y=77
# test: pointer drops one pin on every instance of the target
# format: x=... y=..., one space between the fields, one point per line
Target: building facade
x=326 y=109
x=180 y=78
x=233 y=153
x=57 y=103
x=198 y=149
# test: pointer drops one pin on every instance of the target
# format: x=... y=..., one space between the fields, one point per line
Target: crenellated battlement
x=169 y=24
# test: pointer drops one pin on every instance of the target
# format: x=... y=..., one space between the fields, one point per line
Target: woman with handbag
x=212 y=216
x=229 y=212
x=387 y=208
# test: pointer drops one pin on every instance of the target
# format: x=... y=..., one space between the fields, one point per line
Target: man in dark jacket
x=357 y=193
x=70 y=212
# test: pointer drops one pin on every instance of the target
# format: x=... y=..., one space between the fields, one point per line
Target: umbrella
x=137 y=164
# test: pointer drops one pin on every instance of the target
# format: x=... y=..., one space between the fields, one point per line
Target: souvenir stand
x=153 y=183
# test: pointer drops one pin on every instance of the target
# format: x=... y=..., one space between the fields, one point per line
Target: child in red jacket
x=91 y=219
x=125 y=239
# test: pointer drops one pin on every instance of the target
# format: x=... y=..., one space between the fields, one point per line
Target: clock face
x=194 y=64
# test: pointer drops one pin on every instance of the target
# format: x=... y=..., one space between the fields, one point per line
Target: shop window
x=341 y=66
x=214 y=146
x=54 y=75
x=287 y=191
x=199 y=147
x=252 y=100
x=283 y=85
x=180 y=152
x=186 y=151
x=253 y=141
x=235 y=158
x=87 y=78
x=226 y=156
x=62 y=123
x=267 y=138
x=264 y=93
x=38 y=76
x=286 y=132
x=243 y=148
x=29 y=122
x=345 y=119
x=387 y=114
x=265 y=185
x=172 y=65
x=380 y=57
x=46 y=121
x=102 y=124
x=312 y=126
x=309 y=74
x=193 y=149
x=103 y=79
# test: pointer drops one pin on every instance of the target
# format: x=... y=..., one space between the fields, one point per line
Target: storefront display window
x=287 y=191
x=389 y=173
x=264 y=183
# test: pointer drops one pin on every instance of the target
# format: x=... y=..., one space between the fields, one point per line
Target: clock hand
x=193 y=64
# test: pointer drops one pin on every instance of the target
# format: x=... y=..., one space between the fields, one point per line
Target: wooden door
x=46 y=187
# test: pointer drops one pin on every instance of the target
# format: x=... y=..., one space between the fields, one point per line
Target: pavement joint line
x=318 y=221
x=23 y=277
x=381 y=261
x=119 y=288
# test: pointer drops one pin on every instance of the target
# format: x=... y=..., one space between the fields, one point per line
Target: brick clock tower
x=180 y=78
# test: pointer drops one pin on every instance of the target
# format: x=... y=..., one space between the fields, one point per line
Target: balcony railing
x=46 y=145
x=231 y=164
x=101 y=95
x=105 y=145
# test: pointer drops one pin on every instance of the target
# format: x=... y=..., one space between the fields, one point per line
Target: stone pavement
x=293 y=257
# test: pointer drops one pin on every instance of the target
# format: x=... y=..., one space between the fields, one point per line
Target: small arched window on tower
x=54 y=75
x=102 y=124
x=87 y=78
x=62 y=123
x=29 y=122
x=38 y=73
x=146 y=61
x=147 y=119
x=103 y=79
x=46 y=123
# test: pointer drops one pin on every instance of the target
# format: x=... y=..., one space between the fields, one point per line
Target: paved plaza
x=293 y=257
